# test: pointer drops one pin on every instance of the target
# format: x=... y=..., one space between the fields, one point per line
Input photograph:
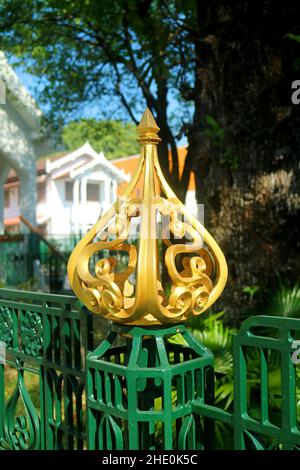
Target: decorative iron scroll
x=6 y=326
x=21 y=431
x=32 y=333
x=41 y=371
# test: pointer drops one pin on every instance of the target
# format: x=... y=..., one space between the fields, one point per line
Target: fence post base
x=140 y=394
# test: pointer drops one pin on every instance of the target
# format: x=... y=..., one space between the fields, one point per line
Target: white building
x=22 y=140
x=72 y=191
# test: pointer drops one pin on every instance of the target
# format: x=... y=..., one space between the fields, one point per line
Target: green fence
x=46 y=337
x=49 y=398
x=278 y=345
x=14 y=261
x=27 y=262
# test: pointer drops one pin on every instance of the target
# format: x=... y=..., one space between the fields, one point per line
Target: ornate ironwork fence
x=47 y=338
x=14 y=261
x=49 y=399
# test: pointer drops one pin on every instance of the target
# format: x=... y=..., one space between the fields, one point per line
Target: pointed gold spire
x=148 y=122
x=148 y=129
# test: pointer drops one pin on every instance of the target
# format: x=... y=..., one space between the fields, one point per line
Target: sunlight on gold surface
x=196 y=266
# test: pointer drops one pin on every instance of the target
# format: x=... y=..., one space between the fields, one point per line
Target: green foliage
x=218 y=338
x=107 y=60
x=214 y=129
x=284 y=301
x=296 y=63
x=211 y=331
x=91 y=51
x=32 y=385
x=217 y=135
x=294 y=37
x=114 y=138
x=31 y=284
x=251 y=291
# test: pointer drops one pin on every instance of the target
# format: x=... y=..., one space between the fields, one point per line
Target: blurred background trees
x=114 y=138
x=214 y=72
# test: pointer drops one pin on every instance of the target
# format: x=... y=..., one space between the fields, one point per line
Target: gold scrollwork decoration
x=134 y=295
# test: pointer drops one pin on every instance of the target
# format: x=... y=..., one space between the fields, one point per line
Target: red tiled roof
x=12 y=221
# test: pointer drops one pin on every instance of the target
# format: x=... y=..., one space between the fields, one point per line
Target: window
x=69 y=191
x=6 y=198
x=41 y=192
x=92 y=192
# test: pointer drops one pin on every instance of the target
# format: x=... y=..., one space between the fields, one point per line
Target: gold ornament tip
x=148 y=123
x=147 y=128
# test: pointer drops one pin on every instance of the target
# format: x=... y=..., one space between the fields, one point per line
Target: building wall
x=13 y=210
x=79 y=215
x=54 y=208
x=60 y=216
x=17 y=151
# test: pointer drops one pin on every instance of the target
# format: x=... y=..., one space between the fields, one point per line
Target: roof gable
x=80 y=161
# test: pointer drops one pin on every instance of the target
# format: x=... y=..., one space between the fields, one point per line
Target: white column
x=83 y=191
x=114 y=191
x=83 y=208
x=106 y=202
x=4 y=169
x=28 y=195
x=75 y=211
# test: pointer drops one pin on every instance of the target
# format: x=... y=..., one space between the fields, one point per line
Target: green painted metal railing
x=18 y=254
x=141 y=393
x=14 y=261
x=278 y=343
x=59 y=390
x=46 y=337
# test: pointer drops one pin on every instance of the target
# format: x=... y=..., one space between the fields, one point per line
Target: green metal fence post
x=262 y=336
x=140 y=394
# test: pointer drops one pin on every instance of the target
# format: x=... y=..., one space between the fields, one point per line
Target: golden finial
x=148 y=129
x=136 y=295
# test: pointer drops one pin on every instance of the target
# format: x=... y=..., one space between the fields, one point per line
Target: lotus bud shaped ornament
x=169 y=238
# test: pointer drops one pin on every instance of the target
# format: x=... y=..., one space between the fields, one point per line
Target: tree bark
x=249 y=179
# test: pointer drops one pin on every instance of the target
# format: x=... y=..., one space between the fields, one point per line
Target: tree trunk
x=248 y=174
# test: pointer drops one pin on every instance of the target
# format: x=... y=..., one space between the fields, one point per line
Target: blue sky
x=33 y=83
